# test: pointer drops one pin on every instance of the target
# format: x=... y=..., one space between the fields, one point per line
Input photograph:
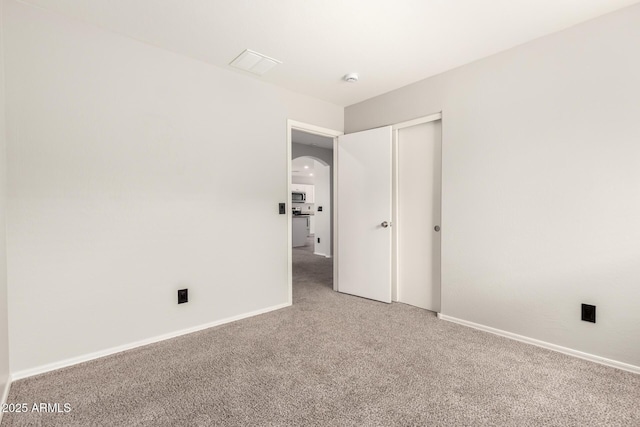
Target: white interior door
x=364 y=214
x=419 y=190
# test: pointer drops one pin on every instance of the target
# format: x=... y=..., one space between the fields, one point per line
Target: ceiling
x=389 y=43
x=320 y=141
x=303 y=167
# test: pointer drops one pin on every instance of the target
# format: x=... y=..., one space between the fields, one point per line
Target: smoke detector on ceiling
x=351 y=77
x=254 y=62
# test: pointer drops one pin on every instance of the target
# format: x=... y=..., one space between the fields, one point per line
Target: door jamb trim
x=418 y=121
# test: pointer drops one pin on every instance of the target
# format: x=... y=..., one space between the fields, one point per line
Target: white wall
x=541 y=184
x=123 y=188
x=4 y=332
x=322 y=175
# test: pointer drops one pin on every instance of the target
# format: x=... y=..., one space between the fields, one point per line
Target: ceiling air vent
x=254 y=62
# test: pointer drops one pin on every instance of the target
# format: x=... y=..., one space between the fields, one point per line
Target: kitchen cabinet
x=300 y=230
x=310 y=190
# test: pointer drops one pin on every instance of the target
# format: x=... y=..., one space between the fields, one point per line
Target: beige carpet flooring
x=334 y=360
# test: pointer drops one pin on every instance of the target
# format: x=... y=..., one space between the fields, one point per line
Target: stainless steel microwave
x=298 y=197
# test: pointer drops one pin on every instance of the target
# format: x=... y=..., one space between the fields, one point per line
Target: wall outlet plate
x=589 y=313
x=282 y=208
x=183 y=296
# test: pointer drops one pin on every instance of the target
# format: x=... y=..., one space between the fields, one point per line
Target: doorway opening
x=311 y=202
x=386 y=189
x=311 y=206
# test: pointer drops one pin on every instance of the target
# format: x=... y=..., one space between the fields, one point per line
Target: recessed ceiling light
x=254 y=62
x=306 y=167
x=310 y=174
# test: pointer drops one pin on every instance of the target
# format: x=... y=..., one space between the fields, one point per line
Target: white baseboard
x=85 y=358
x=5 y=394
x=321 y=254
x=544 y=344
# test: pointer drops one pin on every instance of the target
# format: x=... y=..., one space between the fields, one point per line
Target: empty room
x=331 y=213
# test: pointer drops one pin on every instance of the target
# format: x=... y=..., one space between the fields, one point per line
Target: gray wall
x=123 y=188
x=4 y=335
x=301 y=150
x=541 y=184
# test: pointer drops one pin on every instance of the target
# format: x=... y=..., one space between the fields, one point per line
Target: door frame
x=330 y=133
x=394 y=203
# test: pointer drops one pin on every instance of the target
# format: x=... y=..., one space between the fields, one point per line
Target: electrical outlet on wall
x=589 y=313
x=183 y=296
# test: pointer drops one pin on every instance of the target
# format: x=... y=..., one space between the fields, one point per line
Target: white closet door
x=419 y=190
